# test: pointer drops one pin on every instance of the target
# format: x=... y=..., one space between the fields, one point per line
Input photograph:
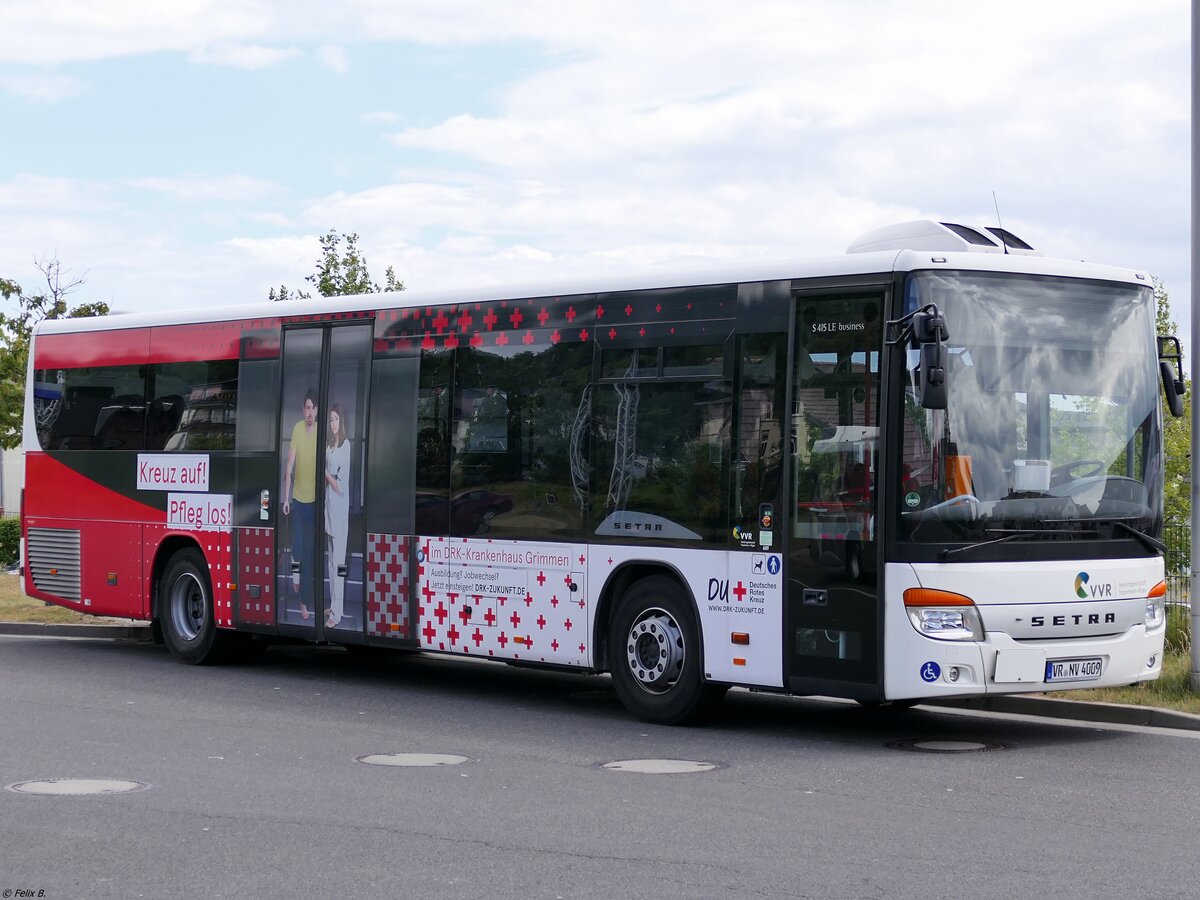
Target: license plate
x=1074 y=669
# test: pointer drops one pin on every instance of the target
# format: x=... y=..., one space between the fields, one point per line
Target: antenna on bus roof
x=999 y=224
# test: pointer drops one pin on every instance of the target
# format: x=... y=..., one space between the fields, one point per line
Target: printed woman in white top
x=337 y=508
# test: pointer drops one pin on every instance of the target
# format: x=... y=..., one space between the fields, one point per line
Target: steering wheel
x=1065 y=472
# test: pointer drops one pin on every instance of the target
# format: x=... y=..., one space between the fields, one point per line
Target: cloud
x=63 y=31
x=42 y=87
x=243 y=56
x=40 y=194
x=635 y=136
x=382 y=118
x=333 y=58
x=201 y=189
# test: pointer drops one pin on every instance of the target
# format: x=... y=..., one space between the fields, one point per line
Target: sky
x=190 y=153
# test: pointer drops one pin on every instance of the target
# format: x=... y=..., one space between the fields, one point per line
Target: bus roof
x=882 y=263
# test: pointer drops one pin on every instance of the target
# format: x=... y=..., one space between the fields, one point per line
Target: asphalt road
x=255 y=791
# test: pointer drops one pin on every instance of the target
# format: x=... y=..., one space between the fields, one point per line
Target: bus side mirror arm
x=1170 y=367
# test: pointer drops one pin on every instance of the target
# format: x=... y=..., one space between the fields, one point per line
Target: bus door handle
x=814 y=598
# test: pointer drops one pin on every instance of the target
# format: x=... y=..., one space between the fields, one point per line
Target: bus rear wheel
x=185 y=611
x=654 y=654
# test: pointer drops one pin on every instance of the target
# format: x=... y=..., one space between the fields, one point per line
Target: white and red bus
x=929 y=468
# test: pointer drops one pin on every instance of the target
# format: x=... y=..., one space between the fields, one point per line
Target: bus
x=929 y=468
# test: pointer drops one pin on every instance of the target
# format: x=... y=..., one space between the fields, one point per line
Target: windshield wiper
x=1123 y=524
x=1152 y=543
x=1011 y=534
x=950 y=553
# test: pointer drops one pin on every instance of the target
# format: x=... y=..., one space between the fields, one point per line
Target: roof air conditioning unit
x=926 y=234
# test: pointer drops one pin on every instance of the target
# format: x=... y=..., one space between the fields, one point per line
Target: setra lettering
x=1076 y=619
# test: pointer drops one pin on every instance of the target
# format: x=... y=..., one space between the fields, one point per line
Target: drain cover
x=418 y=760
x=660 y=766
x=946 y=746
x=76 y=787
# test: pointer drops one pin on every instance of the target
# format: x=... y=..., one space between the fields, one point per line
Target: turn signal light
x=740 y=637
x=931 y=597
x=1159 y=590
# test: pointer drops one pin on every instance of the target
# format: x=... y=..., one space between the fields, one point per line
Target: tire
x=185 y=611
x=654 y=655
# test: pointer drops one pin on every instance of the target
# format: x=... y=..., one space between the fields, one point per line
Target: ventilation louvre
x=54 y=561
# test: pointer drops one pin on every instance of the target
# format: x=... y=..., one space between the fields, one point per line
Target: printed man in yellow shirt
x=300 y=496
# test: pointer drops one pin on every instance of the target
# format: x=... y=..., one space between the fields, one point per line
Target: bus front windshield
x=1052 y=430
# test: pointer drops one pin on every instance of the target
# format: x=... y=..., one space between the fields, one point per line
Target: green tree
x=16 y=328
x=340 y=272
x=1177 y=433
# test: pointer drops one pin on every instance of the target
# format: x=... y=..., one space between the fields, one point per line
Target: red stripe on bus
x=168 y=343
x=64 y=493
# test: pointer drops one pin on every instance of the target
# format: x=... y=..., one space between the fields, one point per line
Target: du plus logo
x=1080 y=580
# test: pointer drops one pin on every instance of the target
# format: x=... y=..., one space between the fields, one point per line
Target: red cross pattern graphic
x=387 y=585
x=480 y=624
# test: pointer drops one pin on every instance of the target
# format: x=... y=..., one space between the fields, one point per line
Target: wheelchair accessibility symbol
x=773 y=565
x=931 y=671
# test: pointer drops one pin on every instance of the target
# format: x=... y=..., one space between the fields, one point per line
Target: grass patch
x=1172 y=690
x=16 y=607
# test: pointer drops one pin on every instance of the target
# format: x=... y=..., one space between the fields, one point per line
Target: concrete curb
x=1078 y=710
x=1045 y=707
x=116 y=632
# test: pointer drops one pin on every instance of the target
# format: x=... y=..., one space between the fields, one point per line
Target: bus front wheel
x=654 y=649
x=185 y=610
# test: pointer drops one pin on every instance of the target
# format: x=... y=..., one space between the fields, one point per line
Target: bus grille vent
x=54 y=561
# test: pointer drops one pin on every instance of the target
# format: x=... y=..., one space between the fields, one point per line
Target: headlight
x=1156 y=612
x=943 y=615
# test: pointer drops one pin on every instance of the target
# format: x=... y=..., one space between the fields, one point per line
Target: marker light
x=943 y=615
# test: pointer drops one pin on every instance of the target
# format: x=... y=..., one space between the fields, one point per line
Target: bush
x=10 y=540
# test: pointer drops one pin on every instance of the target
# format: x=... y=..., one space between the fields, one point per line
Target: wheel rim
x=655 y=651
x=188 y=605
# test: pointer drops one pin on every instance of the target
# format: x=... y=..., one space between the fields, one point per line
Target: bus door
x=322 y=455
x=831 y=627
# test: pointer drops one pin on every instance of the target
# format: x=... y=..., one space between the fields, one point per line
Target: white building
x=12 y=477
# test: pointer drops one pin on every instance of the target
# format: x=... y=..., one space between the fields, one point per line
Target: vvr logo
x=1084 y=590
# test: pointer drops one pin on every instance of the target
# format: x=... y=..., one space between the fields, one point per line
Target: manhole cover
x=660 y=766
x=417 y=760
x=76 y=787
x=947 y=746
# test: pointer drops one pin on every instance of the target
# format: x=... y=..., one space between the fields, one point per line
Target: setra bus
x=930 y=468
